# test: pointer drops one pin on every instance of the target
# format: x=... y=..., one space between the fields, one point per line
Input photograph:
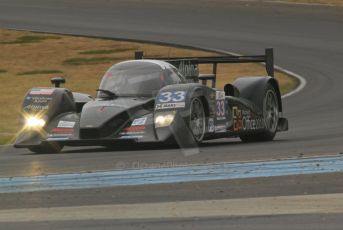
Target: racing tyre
x=197 y=122
x=270 y=115
x=47 y=147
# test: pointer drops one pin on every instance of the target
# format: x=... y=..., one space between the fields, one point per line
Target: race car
x=155 y=100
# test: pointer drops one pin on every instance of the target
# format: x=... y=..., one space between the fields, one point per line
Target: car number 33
x=176 y=96
x=220 y=108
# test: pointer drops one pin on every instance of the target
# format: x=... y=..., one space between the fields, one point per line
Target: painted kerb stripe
x=223 y=171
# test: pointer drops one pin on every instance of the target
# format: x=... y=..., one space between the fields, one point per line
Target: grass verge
x=89 y=61
x=29 y=39
x=35 y=72
x=110 y=51
x=44 y=55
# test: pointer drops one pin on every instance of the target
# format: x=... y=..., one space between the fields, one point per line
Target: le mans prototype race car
x=161 y=100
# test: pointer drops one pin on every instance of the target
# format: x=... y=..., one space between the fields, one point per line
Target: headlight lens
x=164 y=119
x=34 y=122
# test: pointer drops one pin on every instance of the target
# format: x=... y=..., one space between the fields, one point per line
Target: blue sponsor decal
x=139 y=121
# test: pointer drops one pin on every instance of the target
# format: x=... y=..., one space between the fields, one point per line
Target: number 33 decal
x=221 y=108
x=176 y=96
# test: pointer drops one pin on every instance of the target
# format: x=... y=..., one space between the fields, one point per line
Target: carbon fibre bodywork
x=77 y=119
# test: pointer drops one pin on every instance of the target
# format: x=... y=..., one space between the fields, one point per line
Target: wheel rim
x=197 y=119
x=271 y=111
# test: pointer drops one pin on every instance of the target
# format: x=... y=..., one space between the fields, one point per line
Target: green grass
x=3 y=71
x=89 y=61
x=6 y=139
x=288 y=87
x=109 y=51
x=30 y=39
x=35 y=72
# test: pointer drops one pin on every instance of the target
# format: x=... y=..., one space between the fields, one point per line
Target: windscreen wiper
x=107 y=92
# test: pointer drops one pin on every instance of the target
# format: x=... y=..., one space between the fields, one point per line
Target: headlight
x=164 y=119
x=34 y=122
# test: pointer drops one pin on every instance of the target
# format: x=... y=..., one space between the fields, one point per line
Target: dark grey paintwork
x=129 y=115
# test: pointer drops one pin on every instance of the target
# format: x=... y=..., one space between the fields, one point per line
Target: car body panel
x=78 y=119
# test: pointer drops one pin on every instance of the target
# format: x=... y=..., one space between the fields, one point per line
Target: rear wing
x=188 y=66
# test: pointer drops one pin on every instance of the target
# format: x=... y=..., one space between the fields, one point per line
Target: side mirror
x=57 y=81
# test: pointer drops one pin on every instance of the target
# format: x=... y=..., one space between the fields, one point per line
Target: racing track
x=307 y=40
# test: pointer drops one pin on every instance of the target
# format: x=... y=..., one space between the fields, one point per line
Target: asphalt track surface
x=308 y=40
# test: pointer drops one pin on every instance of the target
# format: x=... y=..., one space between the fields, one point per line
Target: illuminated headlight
x=164 y=119
x=34 y=122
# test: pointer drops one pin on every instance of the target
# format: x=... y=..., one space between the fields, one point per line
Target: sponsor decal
x=60 y=133
x=220 y=95
x=36 y=103
x=237 y=118
x=36 y=107
x=220 y=105
x=220 y=109
x=66 y=124
x=131 y=137
x=170 y=105
x=57 y=138
x=62 y=130
x=212 y=103
x=174 y=96
x=133 y=130
x=188 y=69
x=139 y=121
x=212 y=96
x=39 y=100
x=42 y=91
x=252 y=124
x=102 y=109
x=211 y=125
x=220 y=128
x=67 y=135
x=109 y=74
x=244 y=120
x=171 y=100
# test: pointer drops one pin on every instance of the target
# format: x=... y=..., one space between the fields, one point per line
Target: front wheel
x=47 y=147
x=197 y=119
x=270 y=116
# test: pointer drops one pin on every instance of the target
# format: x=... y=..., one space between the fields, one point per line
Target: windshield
x=134 y=79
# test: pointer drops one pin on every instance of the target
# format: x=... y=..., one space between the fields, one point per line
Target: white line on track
x=260 y=206
x=302 y=81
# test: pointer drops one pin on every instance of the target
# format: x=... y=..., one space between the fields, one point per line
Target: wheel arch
x=275 y=84
x=200 y=92
x=253 y=88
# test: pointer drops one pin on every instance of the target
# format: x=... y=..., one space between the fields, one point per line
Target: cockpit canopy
x=139 y=78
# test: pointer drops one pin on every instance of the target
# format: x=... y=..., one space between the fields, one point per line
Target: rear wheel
x=47 y=147
x=197 y=120
x=270 y=115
